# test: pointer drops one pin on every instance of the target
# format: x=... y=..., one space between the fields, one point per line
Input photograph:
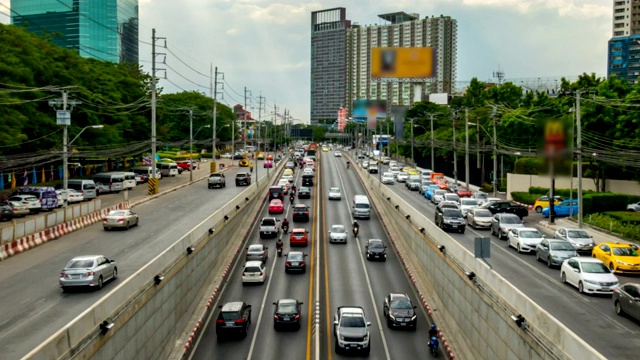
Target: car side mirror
x=576 y=270
x=249 y=306
x=636 y=299
x=335 y=323
x=368 y=323
x=306 y=254
x=307 y=231
x=385 y=246
x=219 y=306
x=112 y=261
x=415 y=307
x=275 y=303
x=285 y=255
x=301 y=303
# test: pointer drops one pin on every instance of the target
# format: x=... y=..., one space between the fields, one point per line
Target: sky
x=264 y=45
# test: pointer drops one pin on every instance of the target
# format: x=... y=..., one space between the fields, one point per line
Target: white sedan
x=524 y=239
x=402 y=177
x=338 y=234
x=289 y=177
x=589 y=275
x=226 y=156
x=31 y=201
x=71 y=195
x=388 y=178
x=337 y=154
x=335 y=193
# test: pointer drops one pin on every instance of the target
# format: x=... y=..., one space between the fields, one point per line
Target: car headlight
x=392 y=317
x=554 y=255
x=592 y=282
x=414 y=317
x=365 y=338
x=342 y=337
x=623 y=263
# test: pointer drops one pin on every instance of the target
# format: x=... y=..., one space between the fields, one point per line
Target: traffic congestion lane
x=263 y=341
x=30 y=280
x=591 y=317
x=352 y=280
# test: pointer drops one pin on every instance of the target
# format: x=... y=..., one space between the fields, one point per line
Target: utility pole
x=152 y=186
x=466 y=150
x=478 y=143
x=455 y=153
x=275 y=128
x=579 y=145
x=433 y=154
x=191 y=144
x=413 y=162
x=495 y=151
x=63 y=117
x=244 y=134
x=260 y=103
x=214 y=95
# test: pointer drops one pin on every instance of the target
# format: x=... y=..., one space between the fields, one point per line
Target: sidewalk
x=599 y=235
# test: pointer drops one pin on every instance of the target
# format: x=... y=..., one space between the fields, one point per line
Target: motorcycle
x=285 y=228
x=356 y=230
x=279 y=250
x=433 y=346
x=348 y=164
x=292 y=198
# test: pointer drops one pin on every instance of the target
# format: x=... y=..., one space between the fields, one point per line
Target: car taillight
x=89 y=273
x=219 y=321
x=288 y=263
x=301 y=263
x=63 y=275
x=261 y=273
x=244 y=274
x=121 y=220
x=306 y=212
x=262 y=253
x=104 y=220
x=240 y=321
x=297 y=317
x=275 y=317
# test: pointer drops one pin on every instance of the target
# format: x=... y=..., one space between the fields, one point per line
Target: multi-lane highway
x=34 y=307
x=591 y=317
x=337 y=274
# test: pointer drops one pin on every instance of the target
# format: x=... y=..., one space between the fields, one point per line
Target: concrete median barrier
x=475 y=305
x=152 y=308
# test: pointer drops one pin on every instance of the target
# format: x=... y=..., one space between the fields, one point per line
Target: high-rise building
x=623 y=58
x=328 y=63
x=101 y=29
x=402 y=30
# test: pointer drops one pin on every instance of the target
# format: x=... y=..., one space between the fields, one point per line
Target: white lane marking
x=266 y=293
x=317 y=277
x=366 y=274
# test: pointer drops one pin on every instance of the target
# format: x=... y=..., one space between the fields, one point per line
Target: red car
x=298 y=237
x=463 y=191
x=268 y=164
x=442 y=184
x=186 y=165
x=276 y=206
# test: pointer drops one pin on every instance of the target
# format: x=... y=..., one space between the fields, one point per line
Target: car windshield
x=481 y=196
x=229 y=316
x=362 y=206
x=337 y=229
x=298 y=234
x=624 y=251
x=276 y=202
x=595 y=268
x=255 y=248
x=578 y=234
x=352 y=321
x=80 y=264
x=305 y=189
x=376 y=245
x=561 y=246
x=334 y=190
x=483 y=213
x=468 y=202
x=300 y=208
x=286 y=308
x=117 y=213
x=530 y=234
x=295 y=256
x=510 y=220
x=268 y=222
x=451 y=213
x=401 y=304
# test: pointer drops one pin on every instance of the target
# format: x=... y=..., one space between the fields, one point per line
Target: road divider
x=485 y=315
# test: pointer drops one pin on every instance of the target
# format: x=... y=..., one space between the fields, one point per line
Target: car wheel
x=336 y=346
x=619 y=309
x=538 y=209
x=128 y=226
x=564 y=278
x=580 y=287
x=549 y=263
x=518 y=249
x=115 y=273
x=100 y=282
x=106 y=229
x=462 y=231
x=500 y=236
x=367 y=350
x=65 y=289
x=137 y=221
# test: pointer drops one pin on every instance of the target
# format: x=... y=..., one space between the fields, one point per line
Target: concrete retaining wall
x=34 y=224
x=476 y=314
x=148 y=318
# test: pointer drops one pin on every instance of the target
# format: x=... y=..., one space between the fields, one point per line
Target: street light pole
x=579 y=145
x=413 y=162
x=455 y=153
x=190 y=144
x=433 y=155
x=495 y=152
x=466 y=149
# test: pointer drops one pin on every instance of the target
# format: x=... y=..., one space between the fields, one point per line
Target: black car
x=301 y=213
x=6 y=211
x=276 y=192
x=400 y=312
x=307 y=180
x=294 y=261
x=243 y=179
x=304 y=193
x=376 y=250
x=233 y=320
x=287 y=313
x=509 y=208
x=450 y=219
x=238 y=156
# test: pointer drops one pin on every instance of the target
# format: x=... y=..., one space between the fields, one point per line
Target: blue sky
x=265 y=45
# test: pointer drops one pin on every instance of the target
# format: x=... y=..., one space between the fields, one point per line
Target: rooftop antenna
x=499 y=75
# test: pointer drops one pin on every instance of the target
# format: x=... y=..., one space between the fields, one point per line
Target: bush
x=566 y=193
x=626 y=217
x=601 y=202
x=487 y=188
x=527 y=166
x=538 y=190
x=524 y=197
x=627 y=231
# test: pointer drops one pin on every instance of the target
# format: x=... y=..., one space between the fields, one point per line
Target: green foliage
x=608 y=223
x=488 y=188
x=626 y=217
x=527 y=166
x=601 y=202
x=540 y=190
x=524 y=197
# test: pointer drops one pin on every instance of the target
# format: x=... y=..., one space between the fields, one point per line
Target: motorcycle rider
x=285 y=225
x=356 y=227
x=292 y=197
x=279 y=244
x=348 y=163
x=293 y=189
x=433 y=331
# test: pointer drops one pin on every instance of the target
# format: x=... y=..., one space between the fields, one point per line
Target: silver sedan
x=338 y=234
x=88 y=271
x=257 y=252
x=123 y=219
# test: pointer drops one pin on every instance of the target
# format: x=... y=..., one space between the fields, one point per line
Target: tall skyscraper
x=402 y=30
x=328 y=63
x=623 y=58
x=101 y=29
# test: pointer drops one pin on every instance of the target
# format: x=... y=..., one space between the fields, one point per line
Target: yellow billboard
x=402 y=62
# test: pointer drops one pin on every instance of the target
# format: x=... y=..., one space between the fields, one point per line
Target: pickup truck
x=351 y=330
x=217 y=180
x=509 y=208
x=269 y=228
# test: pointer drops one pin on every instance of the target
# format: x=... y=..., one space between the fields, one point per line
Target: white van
x=168 y=169
x=107 y=182
x=85 y=186
x=361 y=207
x=129 y=179
x=145 y=172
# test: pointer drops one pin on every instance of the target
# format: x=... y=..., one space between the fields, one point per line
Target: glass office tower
x=101 y=29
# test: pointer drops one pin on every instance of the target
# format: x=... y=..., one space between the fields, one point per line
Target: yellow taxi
x=288 y=171
x=260 y=156
x=409 y=170
x=619 y=257
x=325 y=149
x=543 y=202
x=244 y=163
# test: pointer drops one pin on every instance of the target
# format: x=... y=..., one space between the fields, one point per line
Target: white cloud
x=232 y=31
